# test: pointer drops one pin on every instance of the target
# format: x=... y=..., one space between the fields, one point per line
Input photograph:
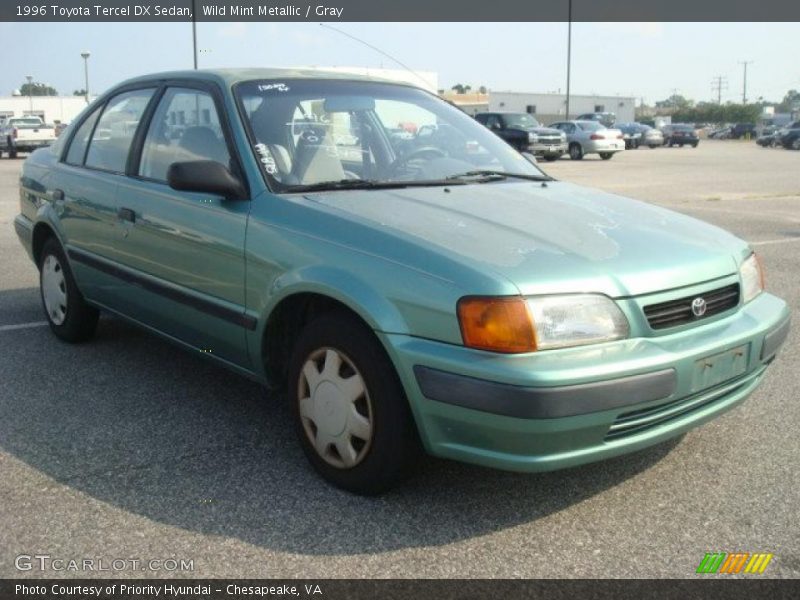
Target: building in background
x=51 y=109
x=548 y=108
x=470 y=103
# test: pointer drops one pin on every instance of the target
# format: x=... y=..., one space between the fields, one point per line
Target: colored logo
x=734 y=562
x=699 y=307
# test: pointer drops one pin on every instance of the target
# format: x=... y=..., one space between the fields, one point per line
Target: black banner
x=390 y=589
x=405 y=11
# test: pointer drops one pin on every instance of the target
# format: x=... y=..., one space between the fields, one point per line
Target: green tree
x=37 y=89
x=80 y=92
x=790 y=102
x=675 y=102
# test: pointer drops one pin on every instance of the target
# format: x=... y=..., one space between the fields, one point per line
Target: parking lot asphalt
x=126 y=448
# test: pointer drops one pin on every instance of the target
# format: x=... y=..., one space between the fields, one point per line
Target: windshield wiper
x=369 y=184
x=485 y=175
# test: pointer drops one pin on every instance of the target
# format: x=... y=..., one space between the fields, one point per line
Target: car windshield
x=336 y=134
x=521 y=120
x=590 y=125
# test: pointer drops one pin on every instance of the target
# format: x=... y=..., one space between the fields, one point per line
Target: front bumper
x=592 y=146
x=560 y=408
x=548 y=149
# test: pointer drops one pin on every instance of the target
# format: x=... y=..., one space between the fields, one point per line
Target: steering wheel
x=417 y=154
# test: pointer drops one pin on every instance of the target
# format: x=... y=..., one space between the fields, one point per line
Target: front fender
x=338 y=284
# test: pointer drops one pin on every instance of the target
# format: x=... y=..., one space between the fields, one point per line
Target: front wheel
x=575 y=152
x=606 y=155
x=351 y=414
x=12 y=151
x=68 y=314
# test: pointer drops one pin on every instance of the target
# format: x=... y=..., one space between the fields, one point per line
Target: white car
x=591 y=137
x=25 y=134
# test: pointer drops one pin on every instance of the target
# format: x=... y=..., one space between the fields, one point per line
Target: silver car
x=591 y=137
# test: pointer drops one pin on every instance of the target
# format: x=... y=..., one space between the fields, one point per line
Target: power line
x=378 y=50
x=744 y=86
x=718 y=84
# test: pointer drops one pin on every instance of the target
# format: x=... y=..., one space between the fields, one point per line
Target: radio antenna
x=378 y=50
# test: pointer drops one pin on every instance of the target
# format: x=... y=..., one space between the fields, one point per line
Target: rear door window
x=77 y=147
x=111 y=141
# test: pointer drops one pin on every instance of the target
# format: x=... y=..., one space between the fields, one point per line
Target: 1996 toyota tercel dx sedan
x=412 y=286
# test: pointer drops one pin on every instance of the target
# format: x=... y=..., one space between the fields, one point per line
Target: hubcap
x=335 y=408
x=54 y=290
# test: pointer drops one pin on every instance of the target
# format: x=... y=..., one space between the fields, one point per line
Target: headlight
x=533 y=138
x=575 y=320
x=516 y=324
x=752 y=276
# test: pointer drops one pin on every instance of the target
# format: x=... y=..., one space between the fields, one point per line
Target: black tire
x=606 y=155
x=680 y=145
x=12 y=151
x=575 y=151
x=79 y=319
x=394 y=445
x=695 y=144
x=551 y=158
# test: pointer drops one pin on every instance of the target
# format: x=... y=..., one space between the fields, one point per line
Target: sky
x=643 y=60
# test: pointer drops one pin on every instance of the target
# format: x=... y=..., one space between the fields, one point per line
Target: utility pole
x=194 y=33
x=85 y=56
x=569 y=51
x=30 y=94
x=718 y=84
x=744 y=87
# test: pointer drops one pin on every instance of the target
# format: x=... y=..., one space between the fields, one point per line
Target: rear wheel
x=12 y=152
x=606 y=155
x=575 y=151
x=351 y=414
x=68 y=314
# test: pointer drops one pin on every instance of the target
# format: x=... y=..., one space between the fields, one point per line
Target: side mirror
x=205 y=176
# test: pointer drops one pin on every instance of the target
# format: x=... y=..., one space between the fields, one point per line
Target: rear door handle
x=126 y=214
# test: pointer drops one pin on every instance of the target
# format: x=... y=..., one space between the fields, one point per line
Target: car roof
x=229 y=77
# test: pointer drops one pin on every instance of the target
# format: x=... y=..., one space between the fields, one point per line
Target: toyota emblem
x=699 y=307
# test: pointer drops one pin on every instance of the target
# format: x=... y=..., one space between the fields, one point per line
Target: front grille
x=549 y=139
x=679 y=312
x=639 y=421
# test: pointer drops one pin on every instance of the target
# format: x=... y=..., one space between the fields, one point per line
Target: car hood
x=543 y=130
x=550 y=238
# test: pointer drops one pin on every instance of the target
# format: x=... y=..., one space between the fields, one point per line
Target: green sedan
x=412 y=282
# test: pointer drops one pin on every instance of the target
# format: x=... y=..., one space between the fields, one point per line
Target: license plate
x=718 y=368
x=551 y=148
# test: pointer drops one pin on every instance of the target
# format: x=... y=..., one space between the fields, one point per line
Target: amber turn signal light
x=497 y=324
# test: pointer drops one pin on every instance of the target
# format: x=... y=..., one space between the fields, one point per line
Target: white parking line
x=778 y=241
x=23 y=326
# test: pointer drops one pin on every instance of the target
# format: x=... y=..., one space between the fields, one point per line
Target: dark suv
x=525 y=133
x=744 y=130
x=790 y=138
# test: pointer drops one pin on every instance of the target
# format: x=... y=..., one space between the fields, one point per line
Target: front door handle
x=126 y=214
